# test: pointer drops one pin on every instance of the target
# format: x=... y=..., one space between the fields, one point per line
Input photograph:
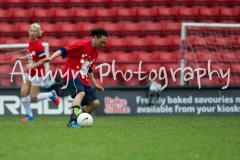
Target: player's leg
x=35 y=94
x=90 y=101
x=91 y=106
x=25 y=88
x=77 y=92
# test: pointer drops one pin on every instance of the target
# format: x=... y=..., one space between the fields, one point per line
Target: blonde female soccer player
x=30 y=88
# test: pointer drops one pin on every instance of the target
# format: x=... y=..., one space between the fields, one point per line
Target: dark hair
x=99 y=32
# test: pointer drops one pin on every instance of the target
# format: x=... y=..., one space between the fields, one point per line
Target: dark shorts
x=75 y=86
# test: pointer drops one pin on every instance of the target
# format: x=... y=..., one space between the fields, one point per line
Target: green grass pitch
x=121 y=138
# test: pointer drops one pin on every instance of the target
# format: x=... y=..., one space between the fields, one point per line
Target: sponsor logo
x=116 y=106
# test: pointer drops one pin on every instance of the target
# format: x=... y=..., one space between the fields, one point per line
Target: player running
x=33 y=78
x=81 y=56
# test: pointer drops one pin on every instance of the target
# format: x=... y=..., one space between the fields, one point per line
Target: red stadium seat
x=2 y=3
x=199 y=43
x=24 y=39
x=68 y=29
x=108 y=81
x=164 y=13
x=235 y=3
x=5 y=16
x=22 y=29
x=205 y=56
x=70 y=40
x=132 y=67
x=42 y=15
x=236 y=43
x=145 y=57
x=229 y=56
x=166 y=57
x=35 y=3
x=15 y=3
x=135 y=43
x=121 y=57
x=97 y=3
x=180 y=2
x=175 y=41
x=117 y=44
x=62 y=15
x=159 y=44
x=226 y=3
x=1 y=40
x=112 y=3
x=54 y=43
x=151 y=28
x=173 y=67
x=222 y=42
x=124 y=14
x=132 y=3
x=169 y=28
x=4 y=59
x=49 y=29
x=175 y=82
x=189 y=57
x=208 y=13
x=113 y=29
x=234 y=68
x=85 y=28
x=143 y=13
x=153 y=3
x=186 y=14
x=205 y=81
x=234 y=80
x=200 y=3
x=104 y=14
x=134 y=81
x=21 y=15
x=129 y=28
x=11 y=56
x=104 y=58
x=56 y=3
x=229 y=13
x=83 y=15
x=151 y=67
x=5 y=70
x=76 y=3
x=217 y=66
x=5 y=82
x=7 y=30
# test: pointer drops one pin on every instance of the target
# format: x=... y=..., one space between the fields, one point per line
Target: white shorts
x=35 y=81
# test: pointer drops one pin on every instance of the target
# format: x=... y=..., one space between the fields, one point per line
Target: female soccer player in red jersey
x=81 y=56
x=33 y=78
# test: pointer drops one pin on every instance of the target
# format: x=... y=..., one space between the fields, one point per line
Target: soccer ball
x=85 y=120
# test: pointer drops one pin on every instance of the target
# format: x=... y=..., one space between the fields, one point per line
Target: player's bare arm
x=22 y=58
x=35 y=65
x=95 y=85
x=55 y=55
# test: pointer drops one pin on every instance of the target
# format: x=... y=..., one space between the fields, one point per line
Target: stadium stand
x=140 y=30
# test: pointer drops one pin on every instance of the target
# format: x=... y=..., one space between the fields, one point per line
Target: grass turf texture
x=117 y=138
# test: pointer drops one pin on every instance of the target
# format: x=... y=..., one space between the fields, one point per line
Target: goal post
x=9 y=51
x=216 y=44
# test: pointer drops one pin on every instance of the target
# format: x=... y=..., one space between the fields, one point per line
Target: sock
x=42 y=96
x=26 y=103
x=74 y=116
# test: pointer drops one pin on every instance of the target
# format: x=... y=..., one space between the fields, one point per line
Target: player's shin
x=75 y=113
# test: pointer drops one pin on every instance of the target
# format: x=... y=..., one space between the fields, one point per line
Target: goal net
x=210 y=54
x=8 y=54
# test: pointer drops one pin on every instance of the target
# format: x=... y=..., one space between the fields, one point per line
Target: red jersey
x=35 y=53
x=81 y=56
